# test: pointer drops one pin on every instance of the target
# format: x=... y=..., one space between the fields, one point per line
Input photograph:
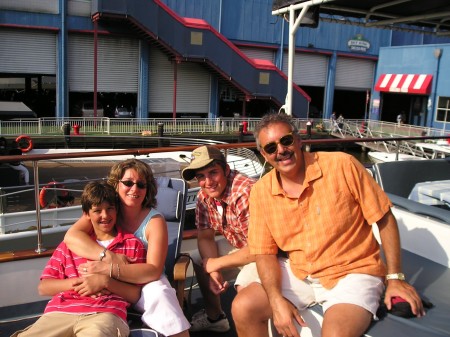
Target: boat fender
x=54 y=195
x=24 y=139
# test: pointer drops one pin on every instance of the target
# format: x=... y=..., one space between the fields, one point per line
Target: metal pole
x=40 y=247
x=367 y=102
x=95 y=65
x=445 y=118
x=175 y=79
x=293 y=26
x=291 y=52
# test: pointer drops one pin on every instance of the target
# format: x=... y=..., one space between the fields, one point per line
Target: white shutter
x=354 y=73
x=160 y=79
x=259 y=53
x=193 y=89
x=117 y=64
x=309 y=69
x=40 y=6
x=193 y=86
x=27 y=52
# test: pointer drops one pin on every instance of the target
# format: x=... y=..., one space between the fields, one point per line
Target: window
x=443 y=110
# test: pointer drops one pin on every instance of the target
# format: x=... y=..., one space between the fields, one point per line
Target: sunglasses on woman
x=129 y=183
x=286 y=140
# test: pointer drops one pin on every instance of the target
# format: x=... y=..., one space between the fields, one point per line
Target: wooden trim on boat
x=188 y=234
x=24 y=255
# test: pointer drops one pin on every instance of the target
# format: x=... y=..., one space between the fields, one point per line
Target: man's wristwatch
x=103 y=254
x=396 y=276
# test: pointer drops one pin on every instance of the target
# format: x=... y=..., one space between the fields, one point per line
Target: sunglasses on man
x=286 y=140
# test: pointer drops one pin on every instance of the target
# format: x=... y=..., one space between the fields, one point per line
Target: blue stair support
x=196 y=41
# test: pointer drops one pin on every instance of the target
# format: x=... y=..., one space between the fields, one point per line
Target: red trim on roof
x=405 y=83
x=264 y=64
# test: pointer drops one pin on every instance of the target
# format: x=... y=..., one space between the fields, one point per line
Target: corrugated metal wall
x=251 y=20
x=259 y=53
x=117 y=64
x=208 y=10
x=309 y=69
x=193 y=86
x=41 y=6
x=160 y=82
x=335 y=36
x=79 y=7
x=354 y=73
x=27 y=51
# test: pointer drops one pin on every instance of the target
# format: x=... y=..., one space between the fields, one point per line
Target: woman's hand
x=112 y=257
x=94 y=267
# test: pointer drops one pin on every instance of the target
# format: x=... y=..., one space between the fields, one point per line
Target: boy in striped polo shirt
x=70 y=312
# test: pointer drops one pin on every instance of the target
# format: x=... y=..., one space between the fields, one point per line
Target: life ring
x=54 y=195
x=22 y=139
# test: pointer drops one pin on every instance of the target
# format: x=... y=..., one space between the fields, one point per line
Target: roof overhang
x=426 y=16
x=419 y=84
x=389 y=14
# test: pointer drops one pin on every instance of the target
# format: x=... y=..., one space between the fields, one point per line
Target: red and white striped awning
x=405 y=83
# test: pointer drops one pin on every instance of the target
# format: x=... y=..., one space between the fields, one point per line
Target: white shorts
x=223 y=248
x=358 y=289
x=160 y=308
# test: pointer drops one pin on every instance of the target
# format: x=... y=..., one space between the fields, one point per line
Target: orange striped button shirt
x=327 y=231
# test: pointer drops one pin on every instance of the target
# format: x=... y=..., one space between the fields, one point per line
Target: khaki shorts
x=63 y=325
x=359 y=289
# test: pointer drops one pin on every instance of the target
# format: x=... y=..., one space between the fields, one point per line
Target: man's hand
x=406 y=291
x=284 y=314
x=216 y=283
x=91 y=285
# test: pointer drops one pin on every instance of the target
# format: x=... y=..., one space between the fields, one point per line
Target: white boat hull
x=381 y=157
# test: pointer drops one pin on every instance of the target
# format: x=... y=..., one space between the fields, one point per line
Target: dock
x=376 y=129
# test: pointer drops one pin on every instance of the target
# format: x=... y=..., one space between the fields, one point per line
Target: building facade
x=202 y=58
x=413 y=81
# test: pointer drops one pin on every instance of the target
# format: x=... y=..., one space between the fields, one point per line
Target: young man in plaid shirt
x=222 y=207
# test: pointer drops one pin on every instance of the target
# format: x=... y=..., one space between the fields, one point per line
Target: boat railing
x=37 y=159
x=395 y=138
x=20 y=198
x=18 y=207
x=117 y=126
x=25 y=201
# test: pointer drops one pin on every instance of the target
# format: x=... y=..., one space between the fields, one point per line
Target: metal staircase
x=194 y=40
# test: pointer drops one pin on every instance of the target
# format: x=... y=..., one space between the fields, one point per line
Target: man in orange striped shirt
x=318 y=208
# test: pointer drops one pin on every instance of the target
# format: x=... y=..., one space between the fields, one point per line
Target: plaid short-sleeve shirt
x=233 y=224
x=326 y=230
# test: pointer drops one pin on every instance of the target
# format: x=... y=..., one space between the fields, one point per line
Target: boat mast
x=294 y=23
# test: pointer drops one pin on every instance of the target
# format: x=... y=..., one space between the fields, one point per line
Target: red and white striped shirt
x=64 y=264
